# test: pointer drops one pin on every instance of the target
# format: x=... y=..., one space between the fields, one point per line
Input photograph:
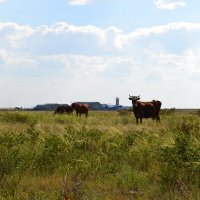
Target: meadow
x=104 y=157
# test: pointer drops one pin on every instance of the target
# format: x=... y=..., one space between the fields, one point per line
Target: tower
x=117 y=101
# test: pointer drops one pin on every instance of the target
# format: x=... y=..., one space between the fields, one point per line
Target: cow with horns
x=80 y=109
x=142 y=109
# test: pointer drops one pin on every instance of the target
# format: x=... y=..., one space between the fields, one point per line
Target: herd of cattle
x=79 y=108
x=141 y=109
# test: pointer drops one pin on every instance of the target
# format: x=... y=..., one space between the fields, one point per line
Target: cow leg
x=140 y=120
x=137 y=120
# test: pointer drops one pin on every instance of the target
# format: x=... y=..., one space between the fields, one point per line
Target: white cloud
x=12 y=34
x=169 y=4
x=63 y=38
x=9 y=58
x=127 y=39
x=85 y=61
x=177 y=67
x=79 y=2
x=88 y=66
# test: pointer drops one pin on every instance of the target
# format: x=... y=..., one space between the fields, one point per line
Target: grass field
x=104 y=157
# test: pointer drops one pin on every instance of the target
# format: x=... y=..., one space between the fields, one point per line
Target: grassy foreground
x=104 y=157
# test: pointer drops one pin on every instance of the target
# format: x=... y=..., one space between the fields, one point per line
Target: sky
x=96 y=50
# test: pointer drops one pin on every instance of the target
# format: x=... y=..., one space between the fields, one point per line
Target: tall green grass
x=106 y=156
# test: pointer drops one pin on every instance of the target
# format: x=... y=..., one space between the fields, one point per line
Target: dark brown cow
x=80 y=109
x=142 y=110
x=64 y=109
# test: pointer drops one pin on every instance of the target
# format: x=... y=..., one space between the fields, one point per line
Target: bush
x=52 y=156
x=14 y=117
x=180 y=164
x=168 y=111
x=198 y=113
x=12 y=154
x=124 y=112
x=47 y=156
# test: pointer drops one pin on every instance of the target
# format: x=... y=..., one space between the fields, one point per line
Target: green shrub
x=180 y=163
x=198 y=113
x=15 y=117
x=169 y=111
x=12 y=155
x=52 y=156
x=103 y=156
x=131 y=179
x=124 y=112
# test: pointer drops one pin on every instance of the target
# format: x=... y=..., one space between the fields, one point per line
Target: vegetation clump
x=106 y=156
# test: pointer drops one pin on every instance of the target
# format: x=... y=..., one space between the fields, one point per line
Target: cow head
x=134 y=99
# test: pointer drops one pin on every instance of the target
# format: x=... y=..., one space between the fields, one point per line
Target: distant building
x=117 y=101
x=93 y=105
x=114 y=107
x=50 y=107
x=104 y=106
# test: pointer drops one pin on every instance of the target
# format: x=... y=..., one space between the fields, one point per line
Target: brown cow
x=80 y=109
x=142 y=110
x=64 y=109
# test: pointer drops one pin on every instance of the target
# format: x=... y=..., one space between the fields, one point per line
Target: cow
x=80 y=109
x=142 y=110
x=64 y=109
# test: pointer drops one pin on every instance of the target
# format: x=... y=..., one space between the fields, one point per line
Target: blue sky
x=95 y=50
